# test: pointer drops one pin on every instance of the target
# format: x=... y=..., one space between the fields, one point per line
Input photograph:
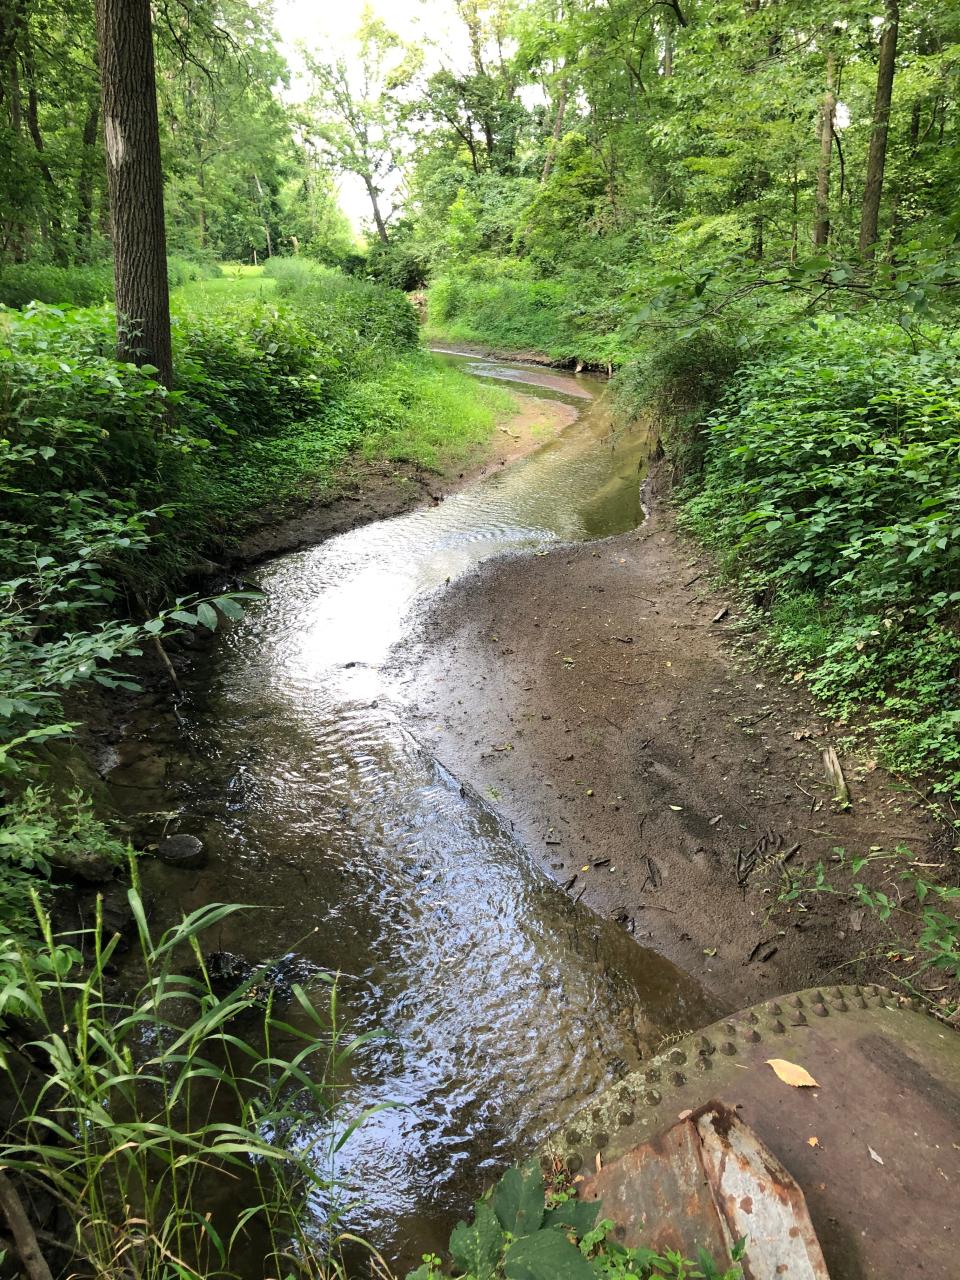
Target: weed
x=136 y=1115
x=521 y=1228
x=910 y=903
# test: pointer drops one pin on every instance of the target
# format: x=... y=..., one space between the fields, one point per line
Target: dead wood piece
x=34 y=1263
x=720 y=614
x=831 y=764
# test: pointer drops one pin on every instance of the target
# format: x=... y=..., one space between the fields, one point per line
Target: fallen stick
x=34 y=1263
x=831 y=764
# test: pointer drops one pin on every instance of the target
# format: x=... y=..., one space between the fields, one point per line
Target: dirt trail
x=647 y=761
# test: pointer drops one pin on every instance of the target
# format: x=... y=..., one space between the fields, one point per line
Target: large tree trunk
x=135 y=183
x=821 y=225
x=876 y=160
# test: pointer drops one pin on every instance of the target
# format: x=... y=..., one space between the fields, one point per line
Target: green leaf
x=229 y=608
x=207 y=615
x=519 y=1200
x=577 y=1216
x=181 y=615
x=546 y=1255
x=476 y=1248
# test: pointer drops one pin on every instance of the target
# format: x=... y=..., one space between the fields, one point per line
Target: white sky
x=331 y=27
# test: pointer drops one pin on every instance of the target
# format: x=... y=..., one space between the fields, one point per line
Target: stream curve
x=503 y=1003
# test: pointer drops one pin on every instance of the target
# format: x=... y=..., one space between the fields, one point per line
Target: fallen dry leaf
x=790 y=1073
x=813 y=1142
x=874 y=1156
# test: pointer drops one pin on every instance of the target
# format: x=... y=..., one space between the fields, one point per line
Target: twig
x=33 y=1260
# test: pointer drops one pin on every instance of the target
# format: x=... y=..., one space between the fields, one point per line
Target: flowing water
x=503 y=1003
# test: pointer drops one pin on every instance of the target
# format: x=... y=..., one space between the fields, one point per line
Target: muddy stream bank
x=302 y=764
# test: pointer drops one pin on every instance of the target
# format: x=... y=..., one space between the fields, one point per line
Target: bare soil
x=598 y=699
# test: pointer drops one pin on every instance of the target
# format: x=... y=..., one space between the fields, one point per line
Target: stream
x=502 y=1002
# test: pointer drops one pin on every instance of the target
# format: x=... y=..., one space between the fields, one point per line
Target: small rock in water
x=182 y=851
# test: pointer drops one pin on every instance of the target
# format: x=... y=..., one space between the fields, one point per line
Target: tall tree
x=876 y=159
x=135 y=183
x=357 y=110
x=828 y=111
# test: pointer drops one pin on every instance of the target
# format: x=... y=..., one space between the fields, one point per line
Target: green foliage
x=502 y=311
x=38 y=834
x=146 y=1104
x=678 y=378
x=522 y=1231
x=399 y=263
x=25 y=282
x=910 y=903
x=831 y=476
x=181 y=270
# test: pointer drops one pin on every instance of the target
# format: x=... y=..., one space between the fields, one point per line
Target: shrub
x=679 y=378
x=181 y=270
x=399 y=264
x=519 y=314
x=22 y=283
x=293 y=274
x=832 y=477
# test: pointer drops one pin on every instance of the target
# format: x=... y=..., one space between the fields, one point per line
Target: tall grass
x=136 y=1115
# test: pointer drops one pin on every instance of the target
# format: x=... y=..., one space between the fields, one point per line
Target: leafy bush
x=180 y=270
x=293 y=274
x=399 y=264
x=25 y=282
x=679 y=378
x=517 y=314
x=522 y=1231
x=832 y=477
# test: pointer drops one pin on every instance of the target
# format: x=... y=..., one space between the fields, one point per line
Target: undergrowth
x=831 y=488
x=524 y=1231
x=920 y=947
x=178 y=1131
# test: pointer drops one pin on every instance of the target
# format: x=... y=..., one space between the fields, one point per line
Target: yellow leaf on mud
x=813 y=1142
x=790 y=1073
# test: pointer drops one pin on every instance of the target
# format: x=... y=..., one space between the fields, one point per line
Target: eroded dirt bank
x=649 y=763
x=377 y=490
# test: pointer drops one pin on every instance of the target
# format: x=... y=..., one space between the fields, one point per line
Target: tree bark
x=821 y=226
x=876 y=159
x=85 y=181
x=557 y=130
x=377 y=215
x=135 y=183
